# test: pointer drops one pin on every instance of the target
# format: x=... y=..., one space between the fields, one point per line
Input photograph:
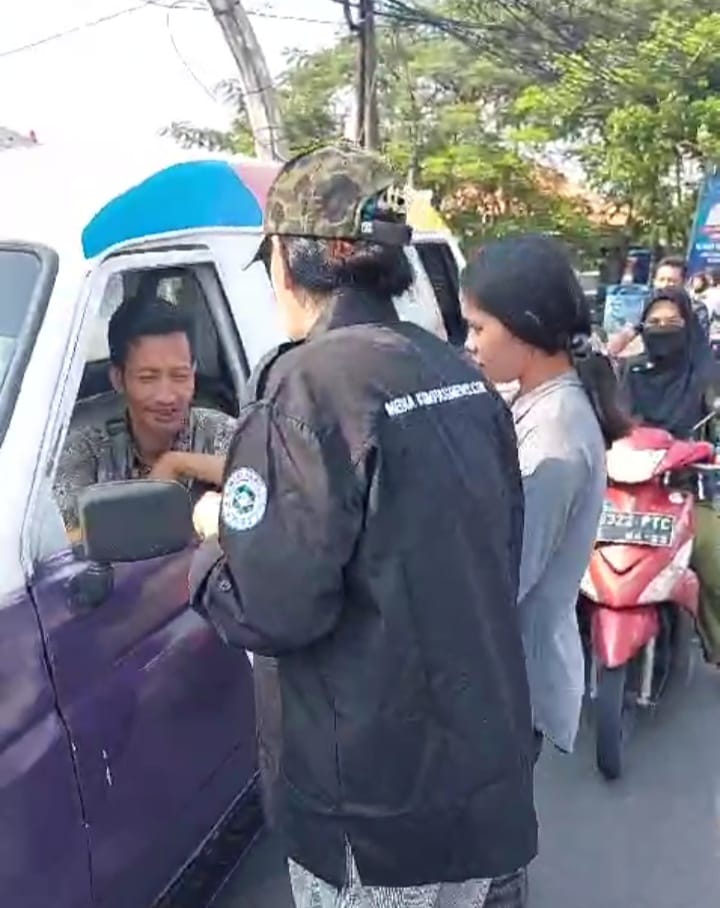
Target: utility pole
x=259 y=92
x=361 y=84
x=372 y=119
x=367 y=126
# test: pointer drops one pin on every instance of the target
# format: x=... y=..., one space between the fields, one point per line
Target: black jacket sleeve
x=290 y=516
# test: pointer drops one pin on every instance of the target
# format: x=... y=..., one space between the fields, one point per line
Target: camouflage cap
x=337 y=192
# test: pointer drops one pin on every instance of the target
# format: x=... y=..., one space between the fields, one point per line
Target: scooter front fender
x=618 y=635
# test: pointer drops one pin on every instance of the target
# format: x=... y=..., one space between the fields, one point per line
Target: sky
x=136 y=72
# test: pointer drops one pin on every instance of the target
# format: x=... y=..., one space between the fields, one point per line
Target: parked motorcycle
x=639 y=596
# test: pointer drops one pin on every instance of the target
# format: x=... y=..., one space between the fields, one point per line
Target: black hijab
x=666 y=386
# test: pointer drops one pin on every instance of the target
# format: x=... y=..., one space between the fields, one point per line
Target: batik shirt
x=108 y=453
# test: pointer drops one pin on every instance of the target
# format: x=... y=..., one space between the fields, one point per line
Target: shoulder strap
x=120 y=466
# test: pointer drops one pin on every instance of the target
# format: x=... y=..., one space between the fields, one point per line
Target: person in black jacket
x=370 y=537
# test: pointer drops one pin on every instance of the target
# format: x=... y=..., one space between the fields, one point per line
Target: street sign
x=704 y=248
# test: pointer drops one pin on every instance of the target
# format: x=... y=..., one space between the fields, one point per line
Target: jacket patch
x=244 y=499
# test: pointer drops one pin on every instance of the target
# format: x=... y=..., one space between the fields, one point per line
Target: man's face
x=158 y=381
x=668 y=276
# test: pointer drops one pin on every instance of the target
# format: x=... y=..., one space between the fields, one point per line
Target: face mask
x=664 y=343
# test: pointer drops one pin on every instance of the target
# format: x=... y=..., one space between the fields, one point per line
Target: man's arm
x=291 y=513
x=206 y=468
x=76 y=471
x=176 y=465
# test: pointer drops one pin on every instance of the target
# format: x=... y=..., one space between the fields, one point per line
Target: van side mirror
x=134 y=520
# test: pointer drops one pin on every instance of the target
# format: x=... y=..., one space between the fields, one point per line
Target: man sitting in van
x=161 y=436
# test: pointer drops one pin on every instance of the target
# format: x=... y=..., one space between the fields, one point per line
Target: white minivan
x=127 y=731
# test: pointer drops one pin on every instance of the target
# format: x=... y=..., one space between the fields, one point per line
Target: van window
x=442 y=270
x=19 y=274
x=182 y=287
x=27 y=275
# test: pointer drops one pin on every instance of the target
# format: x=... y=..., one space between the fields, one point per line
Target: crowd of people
x=399 y=544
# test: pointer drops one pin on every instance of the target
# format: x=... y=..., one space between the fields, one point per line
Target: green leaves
x=473 y=103
x=645 y=122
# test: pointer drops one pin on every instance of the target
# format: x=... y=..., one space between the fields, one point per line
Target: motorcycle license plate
x=636 y=529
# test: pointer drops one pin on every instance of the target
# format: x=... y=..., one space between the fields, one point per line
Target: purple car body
x=126 y=733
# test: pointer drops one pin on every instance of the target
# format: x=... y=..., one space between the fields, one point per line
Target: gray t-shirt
x=562 y=461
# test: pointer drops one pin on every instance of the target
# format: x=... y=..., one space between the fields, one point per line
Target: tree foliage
x=644 y=123
x=474 y=95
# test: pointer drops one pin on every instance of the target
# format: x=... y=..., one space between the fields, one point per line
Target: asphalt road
x=651 y=840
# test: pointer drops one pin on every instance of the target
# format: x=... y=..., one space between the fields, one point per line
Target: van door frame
x=64 y=398
x=450 y=243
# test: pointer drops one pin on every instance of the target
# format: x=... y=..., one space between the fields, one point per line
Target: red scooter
x=639 y=597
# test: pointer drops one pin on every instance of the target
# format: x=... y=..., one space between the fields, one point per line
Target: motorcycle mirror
x=716 y=406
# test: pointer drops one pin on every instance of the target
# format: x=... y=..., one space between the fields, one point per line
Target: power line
x=198 y=81
x=237 y=92
x=254 y=14
x=491 y=37
x=284 y=17
x=71 y=31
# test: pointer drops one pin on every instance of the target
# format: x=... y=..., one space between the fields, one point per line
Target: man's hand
x=74 y=535
x=168 y=467
x=177 y=465
x=206 y=516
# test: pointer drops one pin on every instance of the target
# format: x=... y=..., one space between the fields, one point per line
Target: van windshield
x=19 y=275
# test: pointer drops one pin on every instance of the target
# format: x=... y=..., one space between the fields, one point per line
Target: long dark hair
x=529 y=284
x=366 y=267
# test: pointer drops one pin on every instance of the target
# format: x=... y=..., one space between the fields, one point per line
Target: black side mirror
x=134 y=520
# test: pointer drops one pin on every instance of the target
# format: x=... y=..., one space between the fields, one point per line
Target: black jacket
x=372 y=528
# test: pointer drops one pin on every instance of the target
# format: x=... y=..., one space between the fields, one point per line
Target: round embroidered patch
x=244 y=499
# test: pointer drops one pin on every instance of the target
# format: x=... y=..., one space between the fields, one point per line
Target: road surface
x=649 y=841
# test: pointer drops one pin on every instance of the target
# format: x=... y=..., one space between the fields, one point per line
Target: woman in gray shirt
x=529 y=323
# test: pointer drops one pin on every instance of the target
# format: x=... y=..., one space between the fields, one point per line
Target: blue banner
x=704 y=249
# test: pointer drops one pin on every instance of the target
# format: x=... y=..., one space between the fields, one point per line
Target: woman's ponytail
x=599 y=380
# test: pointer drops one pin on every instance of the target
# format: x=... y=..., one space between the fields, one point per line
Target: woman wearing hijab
x=673 y=386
